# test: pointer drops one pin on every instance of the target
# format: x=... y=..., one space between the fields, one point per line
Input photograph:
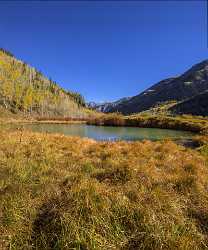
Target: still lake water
x=109 y=133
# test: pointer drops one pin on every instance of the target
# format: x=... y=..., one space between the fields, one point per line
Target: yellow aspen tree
x=28 y=99
x=18 y=94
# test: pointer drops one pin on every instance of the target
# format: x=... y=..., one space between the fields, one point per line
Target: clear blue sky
x=106 y=50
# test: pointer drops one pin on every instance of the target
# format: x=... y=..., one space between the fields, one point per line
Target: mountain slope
x=189 y=84
x=197 y=105
x=24 y=89
x=106 y=106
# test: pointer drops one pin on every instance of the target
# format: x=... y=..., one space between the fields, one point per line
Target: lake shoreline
x=180 y=123
x=100 y=133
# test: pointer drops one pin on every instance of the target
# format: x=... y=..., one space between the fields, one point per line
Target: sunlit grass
x=184 y=122
x=60 y=192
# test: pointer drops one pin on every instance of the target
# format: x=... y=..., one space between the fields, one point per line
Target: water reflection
x=108 y=133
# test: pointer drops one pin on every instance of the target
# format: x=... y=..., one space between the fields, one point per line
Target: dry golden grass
x=184 y=122
x=60 y=192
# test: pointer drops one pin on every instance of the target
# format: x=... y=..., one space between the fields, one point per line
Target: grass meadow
x=59 y=192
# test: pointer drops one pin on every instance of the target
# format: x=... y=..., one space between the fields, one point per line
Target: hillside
x=197 y=105
x=106 y=106
x=23 y=89
x=189 y=84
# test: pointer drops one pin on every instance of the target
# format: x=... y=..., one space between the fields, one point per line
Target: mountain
x=191 y=83
x=197 y=105
x=23 y=89
x=106 y=106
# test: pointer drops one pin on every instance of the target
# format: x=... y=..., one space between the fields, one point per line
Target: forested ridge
x=25 y=89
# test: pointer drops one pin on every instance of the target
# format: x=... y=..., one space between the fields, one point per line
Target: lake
x=109 y=133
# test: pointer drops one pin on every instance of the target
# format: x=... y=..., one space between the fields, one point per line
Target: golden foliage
x=24 y=88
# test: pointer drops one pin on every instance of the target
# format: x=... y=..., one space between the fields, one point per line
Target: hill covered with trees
x=24 y=89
